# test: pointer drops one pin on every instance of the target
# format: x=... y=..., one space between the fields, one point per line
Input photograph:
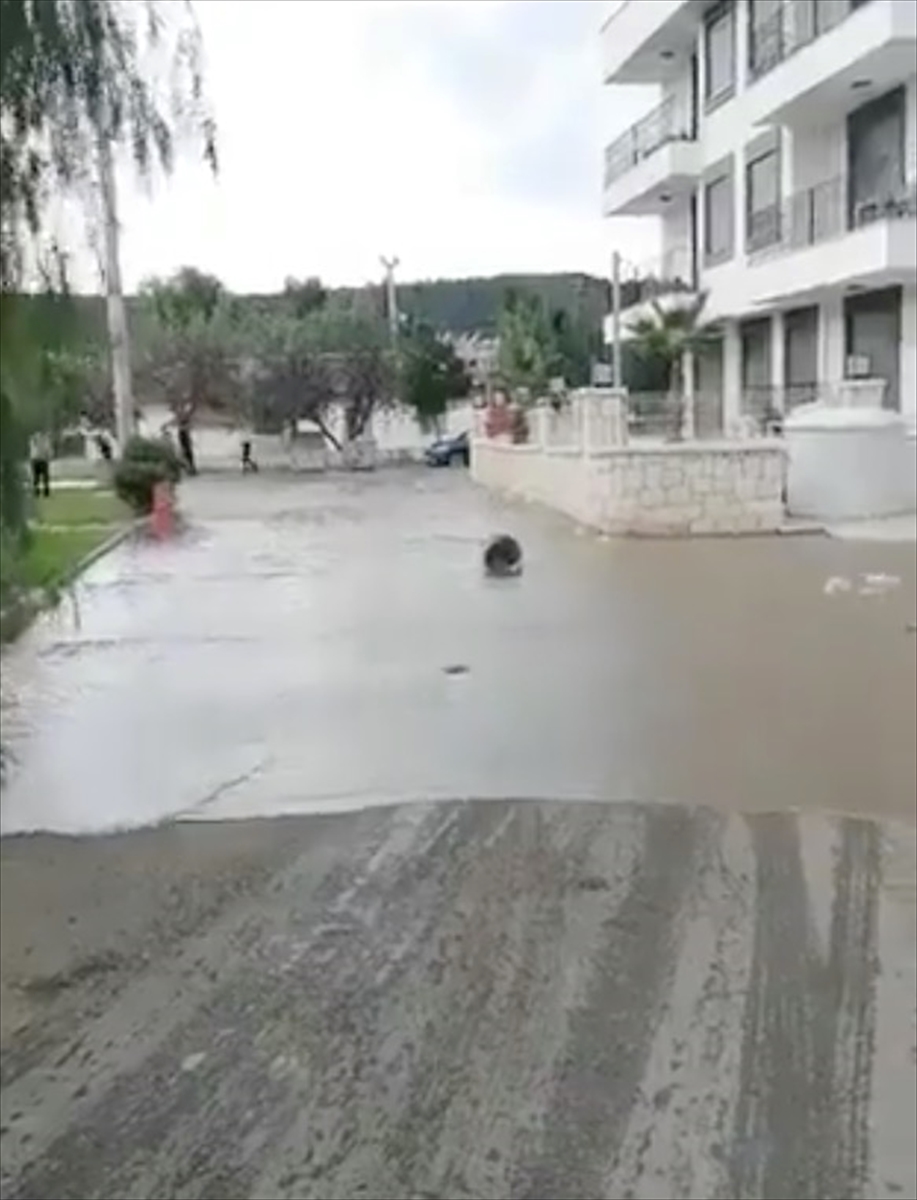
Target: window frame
x=754 y=244
x=715 y=255
x=723 y=13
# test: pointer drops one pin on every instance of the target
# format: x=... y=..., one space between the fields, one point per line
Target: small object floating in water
x=503 y=556
x=837 y=583
x=456 y=669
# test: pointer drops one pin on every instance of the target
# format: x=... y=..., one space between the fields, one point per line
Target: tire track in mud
x=611 y=1032
x=801 y=1126
x=497 y=999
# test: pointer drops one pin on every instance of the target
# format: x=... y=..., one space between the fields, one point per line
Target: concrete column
x=908 y=369
x=742 y=34
x=732 y=378
x=831 y=345
x=778 y=361
x=689 y=423
x=540 y=430
x=586 y=431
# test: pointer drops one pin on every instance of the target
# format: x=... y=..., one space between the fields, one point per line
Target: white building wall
x=909 y=355
x=817 y=154
x=676 y=231
x=910 y=143
x=831 y=340
x=811 y=155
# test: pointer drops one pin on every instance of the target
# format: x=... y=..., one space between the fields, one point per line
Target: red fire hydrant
x=162 y=518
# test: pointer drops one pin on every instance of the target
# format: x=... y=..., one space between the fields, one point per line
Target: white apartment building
x=782 y=163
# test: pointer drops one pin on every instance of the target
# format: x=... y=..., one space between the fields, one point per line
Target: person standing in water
x=40 y=453
x=185 y=443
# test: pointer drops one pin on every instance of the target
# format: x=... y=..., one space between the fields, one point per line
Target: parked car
x=446 y=451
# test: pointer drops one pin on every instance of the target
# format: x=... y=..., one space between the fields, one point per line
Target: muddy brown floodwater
x=539 y=887
x=291 y=654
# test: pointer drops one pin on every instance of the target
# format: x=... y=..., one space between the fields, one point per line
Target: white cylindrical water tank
x=846 y=464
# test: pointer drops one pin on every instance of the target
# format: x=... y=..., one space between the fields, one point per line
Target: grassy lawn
x=67 y=526
x=80 y=506
x=53 y=553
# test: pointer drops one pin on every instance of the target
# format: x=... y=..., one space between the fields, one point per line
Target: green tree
x=72 y=72
x=528 y=352
x=188 y=354
x=184 y=298
x=664 y=337
x=301 y=369
x=304 y=296
x=431 y=373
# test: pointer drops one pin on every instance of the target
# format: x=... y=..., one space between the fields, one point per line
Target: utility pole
x=118 y=336
x=616 y=320
x=391 y=296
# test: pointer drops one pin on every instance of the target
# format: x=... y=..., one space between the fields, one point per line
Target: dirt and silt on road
x=682 y=989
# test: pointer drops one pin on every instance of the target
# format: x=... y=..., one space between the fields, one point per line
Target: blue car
x=446 y=451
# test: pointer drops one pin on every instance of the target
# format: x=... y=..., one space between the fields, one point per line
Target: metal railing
x=827 y=210
x=793 y=25
x=660 y=415
x=765 y=405
x=674 y=271
x=663 y=125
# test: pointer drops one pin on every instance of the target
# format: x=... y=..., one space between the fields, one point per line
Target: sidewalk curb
x=115 y=539
x=24 y=611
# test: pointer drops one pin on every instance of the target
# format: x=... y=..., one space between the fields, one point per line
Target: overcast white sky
x=465 y=137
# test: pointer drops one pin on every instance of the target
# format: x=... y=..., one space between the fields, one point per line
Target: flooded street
x=292 y=654
x=556 y=898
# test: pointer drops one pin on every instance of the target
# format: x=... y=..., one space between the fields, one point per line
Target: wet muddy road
x=463 y=1000
x=446 y=998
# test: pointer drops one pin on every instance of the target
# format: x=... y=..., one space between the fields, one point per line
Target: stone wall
x=680 y=488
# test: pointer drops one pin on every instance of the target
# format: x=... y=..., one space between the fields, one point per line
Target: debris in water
x=503 y=556
x=837 y=583
x=193 y=1061
x=875 y=585
x=456 y=669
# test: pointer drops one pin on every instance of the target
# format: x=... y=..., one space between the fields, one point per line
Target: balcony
x=821 y=238
x=651 y=163
x=645 y=42
x=811 y=63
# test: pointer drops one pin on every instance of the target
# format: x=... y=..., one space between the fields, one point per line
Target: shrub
x=144 y=463
x=158 y=451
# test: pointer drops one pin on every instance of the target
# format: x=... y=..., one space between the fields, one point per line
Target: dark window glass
x=762 y=201
x=719 y=53
x=718 y=218
x=875 y=144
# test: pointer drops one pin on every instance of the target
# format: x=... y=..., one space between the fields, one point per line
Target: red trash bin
x=162 y=518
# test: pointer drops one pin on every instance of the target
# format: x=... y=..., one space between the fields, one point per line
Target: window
x=719 y=54
x=876 y=156
x=762 y=200
x=718 y=220
x=766 y=21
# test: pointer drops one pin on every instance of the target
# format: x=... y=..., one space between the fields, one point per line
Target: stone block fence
x=581 y=462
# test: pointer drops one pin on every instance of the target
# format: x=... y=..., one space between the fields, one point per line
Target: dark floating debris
x=503 y=557
x=456 y=669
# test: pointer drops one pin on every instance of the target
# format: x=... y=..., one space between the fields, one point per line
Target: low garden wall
x=692 y=487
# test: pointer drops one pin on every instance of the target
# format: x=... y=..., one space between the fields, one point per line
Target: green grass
x=53 y=554
x=80 y=506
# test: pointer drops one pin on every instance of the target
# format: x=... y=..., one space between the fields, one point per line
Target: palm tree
x=665 y=337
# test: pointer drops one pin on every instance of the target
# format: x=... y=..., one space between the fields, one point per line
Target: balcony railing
x=794 y=24
x=674 y=272
x=825 y=211
x=664 y=124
